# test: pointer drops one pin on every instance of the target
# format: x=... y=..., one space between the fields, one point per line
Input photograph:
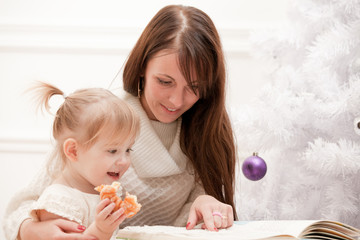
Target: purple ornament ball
x=254 y=168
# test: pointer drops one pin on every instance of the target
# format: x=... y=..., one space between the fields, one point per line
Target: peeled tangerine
x=130 y=204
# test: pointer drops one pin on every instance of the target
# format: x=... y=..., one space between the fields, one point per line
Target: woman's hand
x=215 y=214
x=52 y=229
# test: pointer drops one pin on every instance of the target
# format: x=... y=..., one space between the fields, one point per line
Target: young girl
x=94 y=131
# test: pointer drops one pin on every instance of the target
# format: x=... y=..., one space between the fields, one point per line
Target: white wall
x=84 y=43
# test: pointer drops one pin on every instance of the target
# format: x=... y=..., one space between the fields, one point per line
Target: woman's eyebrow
x=165 y=75
x=194 y=82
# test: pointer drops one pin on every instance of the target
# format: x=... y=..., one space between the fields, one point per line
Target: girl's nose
x=122 y=160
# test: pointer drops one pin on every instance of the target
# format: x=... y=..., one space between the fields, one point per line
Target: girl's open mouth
x=113 y=174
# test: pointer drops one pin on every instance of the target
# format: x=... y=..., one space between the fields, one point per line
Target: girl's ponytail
x=44 y=92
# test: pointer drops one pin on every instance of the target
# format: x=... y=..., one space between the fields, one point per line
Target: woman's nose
x=177 y=98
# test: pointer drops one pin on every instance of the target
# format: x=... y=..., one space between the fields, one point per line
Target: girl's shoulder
x=63 y=192
x=67 y=202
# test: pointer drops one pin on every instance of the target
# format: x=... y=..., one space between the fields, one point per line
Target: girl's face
x=101 y=163
x=166 y=95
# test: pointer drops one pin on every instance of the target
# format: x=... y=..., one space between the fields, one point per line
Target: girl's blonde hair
x=85 y=115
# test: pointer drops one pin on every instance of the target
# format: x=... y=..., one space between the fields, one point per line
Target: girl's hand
x=106 y=221
x=215 y=214
x=52 y=229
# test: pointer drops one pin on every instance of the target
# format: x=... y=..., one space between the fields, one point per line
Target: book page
x=331 y=228
x=264 y=229
x=239 y=231
x=326 y=233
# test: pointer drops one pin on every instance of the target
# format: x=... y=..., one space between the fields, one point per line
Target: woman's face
x=166 y=95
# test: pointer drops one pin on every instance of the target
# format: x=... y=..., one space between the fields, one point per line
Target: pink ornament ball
x=254 y=168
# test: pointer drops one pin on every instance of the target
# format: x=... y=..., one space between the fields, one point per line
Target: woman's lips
x=171 y=110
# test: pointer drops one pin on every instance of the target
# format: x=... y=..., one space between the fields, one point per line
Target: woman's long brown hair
x=206 y=134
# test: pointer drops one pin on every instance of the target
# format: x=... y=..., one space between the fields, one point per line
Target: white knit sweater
x=160 y=176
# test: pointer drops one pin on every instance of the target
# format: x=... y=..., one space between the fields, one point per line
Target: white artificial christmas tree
x=304 y=122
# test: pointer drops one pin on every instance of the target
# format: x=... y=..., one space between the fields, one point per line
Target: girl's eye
x=128 y=150
x=112 y=151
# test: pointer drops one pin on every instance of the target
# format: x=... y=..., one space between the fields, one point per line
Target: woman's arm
x=181 y=220
x=20 y=204
x=214 y=213
x=52 y=226
x=17 y=223
x=52 y=229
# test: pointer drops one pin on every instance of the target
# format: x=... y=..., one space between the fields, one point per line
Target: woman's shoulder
x=127 y=97
x=121 y=93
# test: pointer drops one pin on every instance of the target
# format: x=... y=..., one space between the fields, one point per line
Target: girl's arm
x=106 y=222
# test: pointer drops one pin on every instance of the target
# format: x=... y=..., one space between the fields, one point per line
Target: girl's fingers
x=116 y=215
x=102 y=204
x=121 y=217
x=106 y=211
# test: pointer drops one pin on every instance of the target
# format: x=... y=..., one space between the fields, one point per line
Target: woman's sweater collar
x=154 y=160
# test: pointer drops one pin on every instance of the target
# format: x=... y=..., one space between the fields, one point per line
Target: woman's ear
x=70 y=148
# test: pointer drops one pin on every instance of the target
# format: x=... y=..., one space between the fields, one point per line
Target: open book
x=276 y=230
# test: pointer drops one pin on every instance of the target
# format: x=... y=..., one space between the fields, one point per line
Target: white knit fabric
x=162 y=180
x=165 y=132
x=68 y=203
x=167 y=162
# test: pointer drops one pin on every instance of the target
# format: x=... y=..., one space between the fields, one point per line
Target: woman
x=184 y=159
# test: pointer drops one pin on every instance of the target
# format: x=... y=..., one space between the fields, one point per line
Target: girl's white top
x=160 y=176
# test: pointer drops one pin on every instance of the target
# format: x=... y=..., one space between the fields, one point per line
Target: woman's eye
x=193 y=89
x=112 y=151
x=164 y=82
x=128 y=150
